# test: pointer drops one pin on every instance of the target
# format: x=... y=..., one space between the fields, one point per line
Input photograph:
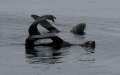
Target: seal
x=57 y=42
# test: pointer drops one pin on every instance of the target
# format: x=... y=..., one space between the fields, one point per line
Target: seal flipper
x=35 y=17
x=48 y=26
x=79 y=29
x=49 y=17
x=33 y=30
x=44 y=23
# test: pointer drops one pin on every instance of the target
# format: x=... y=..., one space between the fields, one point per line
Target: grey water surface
x=102 y=25
x=67 y=61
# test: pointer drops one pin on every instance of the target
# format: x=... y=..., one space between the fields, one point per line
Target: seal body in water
x=57 y=42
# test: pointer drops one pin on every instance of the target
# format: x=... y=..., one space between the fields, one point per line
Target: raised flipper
x=79 y=29
x=44 y=23
x=49 y=17
x=48 y=26
x=33 y=30
x=35 y=17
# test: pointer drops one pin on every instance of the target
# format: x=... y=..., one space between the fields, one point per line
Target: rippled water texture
x=15 y=60
x=102 y=25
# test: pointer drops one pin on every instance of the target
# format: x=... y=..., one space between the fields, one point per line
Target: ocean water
x=103 y=26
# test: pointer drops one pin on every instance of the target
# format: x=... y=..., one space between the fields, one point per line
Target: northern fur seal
x=56 y=43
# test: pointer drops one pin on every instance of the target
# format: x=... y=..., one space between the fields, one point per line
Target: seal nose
x=93 y=44
x=89 y=44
